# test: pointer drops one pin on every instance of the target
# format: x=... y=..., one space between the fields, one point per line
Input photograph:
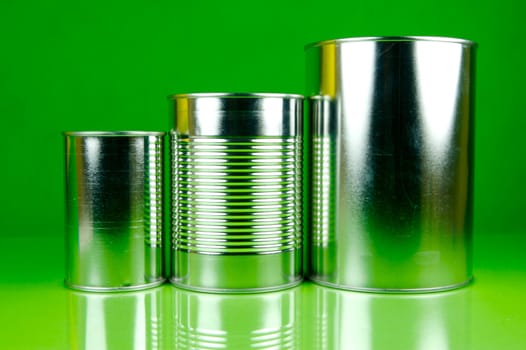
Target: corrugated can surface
x=236 y=192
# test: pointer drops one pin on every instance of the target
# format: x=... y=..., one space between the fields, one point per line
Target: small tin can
x=392 y=155
x=114 y=210
x=236 y=192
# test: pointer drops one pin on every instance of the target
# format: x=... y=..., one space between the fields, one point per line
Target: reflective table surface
x=38 y=312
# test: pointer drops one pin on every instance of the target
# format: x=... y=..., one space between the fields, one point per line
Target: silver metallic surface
x=392 y=153
x=236 y=192
x=113 y=210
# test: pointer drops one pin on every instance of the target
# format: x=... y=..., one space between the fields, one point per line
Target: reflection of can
x=114 y=210
x=116 y=321
x=225 y=321
x=392 y=171
x=236 y=191
x=387 y=321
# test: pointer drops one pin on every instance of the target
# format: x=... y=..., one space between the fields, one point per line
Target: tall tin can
x=392 y=154
x=114 y=210
x=236 y=192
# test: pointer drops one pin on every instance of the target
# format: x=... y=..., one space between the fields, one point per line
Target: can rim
x=393 y=39
x=118 y=133
x=235 y=95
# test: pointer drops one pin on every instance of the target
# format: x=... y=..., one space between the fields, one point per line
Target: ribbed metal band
x=153 y=197
x=323 y=191
x=236 y=195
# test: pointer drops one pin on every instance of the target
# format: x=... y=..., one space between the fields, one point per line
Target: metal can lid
x=237 y=95
x=135 y=133
x=238 y=114
x=392 y=39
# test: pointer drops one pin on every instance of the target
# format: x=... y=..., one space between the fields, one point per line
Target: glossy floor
x=42 y=314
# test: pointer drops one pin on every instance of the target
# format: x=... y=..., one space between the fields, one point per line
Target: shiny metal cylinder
x=236 y=192
x=116 y=321
x=114 y=210
x=250 y=321
x=392 y=153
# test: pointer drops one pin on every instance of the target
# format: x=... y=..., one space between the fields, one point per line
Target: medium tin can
x=392 y=154
x=113 y=210
x=236 y=192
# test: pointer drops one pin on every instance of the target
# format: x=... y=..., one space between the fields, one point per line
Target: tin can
x=114 y=210
x=227 y=321
x=392 y=154
x=236 y=192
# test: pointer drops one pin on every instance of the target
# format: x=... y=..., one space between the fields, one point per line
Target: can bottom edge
x=392 y=290
x=177 y=284
x=114 y=289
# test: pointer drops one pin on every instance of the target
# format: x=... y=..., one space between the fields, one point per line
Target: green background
x=109 y=65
